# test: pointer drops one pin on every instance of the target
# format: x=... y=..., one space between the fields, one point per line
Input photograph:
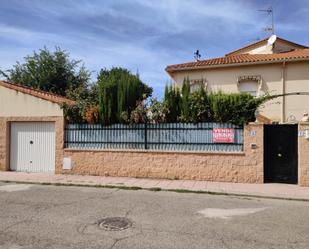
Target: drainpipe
x=283 y=92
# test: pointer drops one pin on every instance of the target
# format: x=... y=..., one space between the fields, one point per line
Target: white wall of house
x=261 y=50
x=297 y=80
x=14 y=103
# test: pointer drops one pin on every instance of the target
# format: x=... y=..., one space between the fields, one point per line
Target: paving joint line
x=155 y=189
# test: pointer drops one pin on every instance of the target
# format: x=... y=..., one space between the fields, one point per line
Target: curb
x=156 y=189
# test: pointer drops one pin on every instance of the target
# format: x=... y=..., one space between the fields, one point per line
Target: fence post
x=145 y=130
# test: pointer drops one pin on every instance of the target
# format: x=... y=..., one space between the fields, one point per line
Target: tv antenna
x=197 y=55
x=270 y=12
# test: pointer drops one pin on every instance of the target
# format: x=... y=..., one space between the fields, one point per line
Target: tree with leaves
x=185 y=105
x=199 y=106
x=120 y=92
x=86 y=108
x=51 y=71
x=56 y=72
x=172 y=103
x=157 y=111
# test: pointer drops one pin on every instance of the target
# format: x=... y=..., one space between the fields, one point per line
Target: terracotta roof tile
x=232 y=60
x=38 y=93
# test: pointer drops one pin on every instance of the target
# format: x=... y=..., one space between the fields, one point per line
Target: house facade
x=259 y=68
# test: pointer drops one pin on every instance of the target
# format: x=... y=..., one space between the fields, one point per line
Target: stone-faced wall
x=246 y=166
x=4 y=144
x=303 y=156
x=5 y=137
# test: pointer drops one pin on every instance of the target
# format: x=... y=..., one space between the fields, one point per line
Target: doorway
x=281 y=153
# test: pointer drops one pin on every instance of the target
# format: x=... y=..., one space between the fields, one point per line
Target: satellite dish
x=271 y=40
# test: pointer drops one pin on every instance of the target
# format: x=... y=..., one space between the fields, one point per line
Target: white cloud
x=180 y=15
x=138 y=34
x=10 y=31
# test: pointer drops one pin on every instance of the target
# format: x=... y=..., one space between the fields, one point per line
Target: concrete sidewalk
x=273 y=190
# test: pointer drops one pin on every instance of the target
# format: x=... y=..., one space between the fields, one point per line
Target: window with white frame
x=250 y=87
x=249 y=84
x=195 y=85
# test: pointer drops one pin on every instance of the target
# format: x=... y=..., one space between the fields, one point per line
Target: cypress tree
x=185 y=92
x=172 y=103
x=119 y=91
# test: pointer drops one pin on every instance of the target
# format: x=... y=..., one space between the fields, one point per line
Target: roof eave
x=62 y=101
x=236 y=64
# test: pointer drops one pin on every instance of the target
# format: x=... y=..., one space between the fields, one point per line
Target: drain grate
x=115 y=223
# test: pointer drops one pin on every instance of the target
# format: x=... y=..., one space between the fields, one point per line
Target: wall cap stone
x=241 y=153
x=254 y=124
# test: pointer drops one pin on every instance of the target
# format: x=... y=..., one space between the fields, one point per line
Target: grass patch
x=154 y=189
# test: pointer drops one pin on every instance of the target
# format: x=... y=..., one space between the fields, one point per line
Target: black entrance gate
x=280 y=153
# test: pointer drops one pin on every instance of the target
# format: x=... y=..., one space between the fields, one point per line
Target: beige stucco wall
x=297 y=80
x=225 y=79
x=17 y=104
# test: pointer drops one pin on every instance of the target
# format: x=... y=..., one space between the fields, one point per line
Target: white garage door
x=32 y=146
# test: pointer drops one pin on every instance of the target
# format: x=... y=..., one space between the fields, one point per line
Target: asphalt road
x=34 y=216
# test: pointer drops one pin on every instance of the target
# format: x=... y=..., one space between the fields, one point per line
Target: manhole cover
x=115 y=223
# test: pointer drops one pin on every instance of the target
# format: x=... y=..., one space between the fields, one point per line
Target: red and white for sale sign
x=223 y=135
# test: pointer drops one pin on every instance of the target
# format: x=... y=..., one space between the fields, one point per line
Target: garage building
x=31 y=129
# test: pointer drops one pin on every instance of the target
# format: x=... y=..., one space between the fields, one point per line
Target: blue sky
x=143 y=35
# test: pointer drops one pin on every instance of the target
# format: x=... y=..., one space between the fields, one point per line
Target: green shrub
x=185 y=101
x=139 y=114
x=200 y=106
x=172 y=102
x=156 y=111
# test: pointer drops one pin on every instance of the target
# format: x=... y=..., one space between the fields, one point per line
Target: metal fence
x=169 y=136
